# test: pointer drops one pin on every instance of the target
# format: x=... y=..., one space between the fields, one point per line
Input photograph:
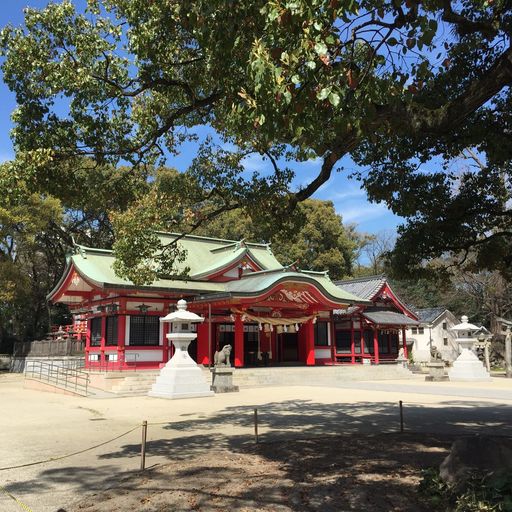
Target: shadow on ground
x=312 y=456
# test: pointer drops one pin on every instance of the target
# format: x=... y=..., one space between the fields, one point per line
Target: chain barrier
x=19 y=502
x=52 y=459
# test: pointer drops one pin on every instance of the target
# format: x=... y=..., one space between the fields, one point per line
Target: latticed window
x=383 y=342
x=321 y=337
x=95 y=332
x=343 y=342
x=368 y=342
x=394 y=342
x=144 y=330
x=111 y=330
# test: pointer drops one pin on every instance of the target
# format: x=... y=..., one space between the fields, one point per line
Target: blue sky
x=350 y=201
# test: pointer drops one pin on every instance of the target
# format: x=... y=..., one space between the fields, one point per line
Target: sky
x=348 y=198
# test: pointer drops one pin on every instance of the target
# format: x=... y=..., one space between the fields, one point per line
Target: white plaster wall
x=322 y=353
x=421 y=348
x=143 y=355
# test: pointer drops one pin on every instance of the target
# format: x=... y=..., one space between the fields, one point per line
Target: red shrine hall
x=270 y=314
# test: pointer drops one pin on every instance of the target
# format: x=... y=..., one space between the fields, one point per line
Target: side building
x=375 y=332
x=434 y=330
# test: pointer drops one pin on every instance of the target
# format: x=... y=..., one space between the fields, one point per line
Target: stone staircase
x=140 y=383
x=136 y=384
x=317 y=375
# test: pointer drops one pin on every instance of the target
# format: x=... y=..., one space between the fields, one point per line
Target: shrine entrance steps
x=139 y=383
x=317 y=375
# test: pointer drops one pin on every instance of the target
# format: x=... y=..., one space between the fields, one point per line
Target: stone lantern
x=181 y=377
x=467 y=367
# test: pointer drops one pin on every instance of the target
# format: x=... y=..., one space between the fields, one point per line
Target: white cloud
x=363 y=212
x=254 y=163
x=347 y=193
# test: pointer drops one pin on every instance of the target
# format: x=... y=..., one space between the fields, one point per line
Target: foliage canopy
x=396 y=85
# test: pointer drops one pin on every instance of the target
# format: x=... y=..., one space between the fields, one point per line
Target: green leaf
x=321 y=48
x=334 y=99
x=324 y=93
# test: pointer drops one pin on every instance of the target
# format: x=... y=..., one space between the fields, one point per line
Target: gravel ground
x=371 y=473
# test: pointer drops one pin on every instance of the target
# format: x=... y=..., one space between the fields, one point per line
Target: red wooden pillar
x=332 y=326
x=310 y=343
x=404 y=341
x=87 y=342
x=352 y=342
x=239 y=341
x=103 y=336
x=361 y=330
x=121 y=332
x=376 y=345
x=165 y=342
x=202 y=343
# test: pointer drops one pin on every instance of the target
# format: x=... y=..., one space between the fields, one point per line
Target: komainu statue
x=435 y=355
x=221 y=357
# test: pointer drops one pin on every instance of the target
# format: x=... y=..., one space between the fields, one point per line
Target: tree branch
x=465 y=25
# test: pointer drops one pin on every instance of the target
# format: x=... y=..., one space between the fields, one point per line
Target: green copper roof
x=207 y=255
x=96 y=265
x=257 y=283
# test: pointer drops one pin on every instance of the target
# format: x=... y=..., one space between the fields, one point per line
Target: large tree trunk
x=508 y=354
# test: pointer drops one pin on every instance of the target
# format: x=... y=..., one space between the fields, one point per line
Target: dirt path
x=336 y=473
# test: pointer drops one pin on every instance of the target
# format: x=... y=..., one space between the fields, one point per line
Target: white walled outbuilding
x=434 y=330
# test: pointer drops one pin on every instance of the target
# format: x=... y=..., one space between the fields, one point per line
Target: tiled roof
x=389 y=318
x=428 y=315
x=96 y=266
x=364 y=287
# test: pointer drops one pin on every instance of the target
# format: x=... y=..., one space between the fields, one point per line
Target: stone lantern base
x=467 y=367
x=180 y=383
x=181 y=377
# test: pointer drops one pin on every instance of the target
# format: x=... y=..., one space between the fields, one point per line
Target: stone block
x=222 y=380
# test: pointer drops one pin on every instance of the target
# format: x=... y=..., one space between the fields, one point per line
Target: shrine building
x=269 y=313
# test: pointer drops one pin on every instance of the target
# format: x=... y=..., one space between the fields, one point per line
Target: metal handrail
x=69 y=378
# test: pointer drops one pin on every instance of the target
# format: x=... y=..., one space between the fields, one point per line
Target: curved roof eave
x=61 y=281
x=348 y=299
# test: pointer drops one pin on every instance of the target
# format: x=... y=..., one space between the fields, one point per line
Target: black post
x=401 y=416
x=143 y=445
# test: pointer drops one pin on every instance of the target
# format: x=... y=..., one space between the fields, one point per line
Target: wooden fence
x=69 y=347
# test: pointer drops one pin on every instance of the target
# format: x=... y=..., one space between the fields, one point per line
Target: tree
x=38 y=230
x=376 y=249
x=465 y=215
x=24 y=268
x=321 y=243
x=394 y=85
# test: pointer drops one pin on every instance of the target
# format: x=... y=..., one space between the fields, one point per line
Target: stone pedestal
x=181 y=377
x=468 y=367
x=401 y=360
x=222 y=380
x=436 y=372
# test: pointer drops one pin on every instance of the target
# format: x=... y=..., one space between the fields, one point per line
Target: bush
x=488 y=493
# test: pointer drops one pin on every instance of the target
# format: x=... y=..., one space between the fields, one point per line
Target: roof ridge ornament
x=292 y=267
x=240 y=244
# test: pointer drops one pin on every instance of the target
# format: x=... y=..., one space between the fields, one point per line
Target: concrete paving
x=37 y=426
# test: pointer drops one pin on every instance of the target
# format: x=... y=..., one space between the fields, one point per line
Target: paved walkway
x=38 y=426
